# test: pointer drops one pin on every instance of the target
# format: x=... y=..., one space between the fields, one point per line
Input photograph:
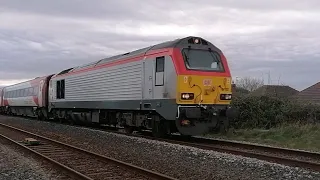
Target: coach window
x=20 y=93
x=25 y=92
x=160 y=71
x=30 y=91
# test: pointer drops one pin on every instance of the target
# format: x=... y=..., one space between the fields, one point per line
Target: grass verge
x=296 y=136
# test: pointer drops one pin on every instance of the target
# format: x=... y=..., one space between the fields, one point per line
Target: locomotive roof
x=177 y=43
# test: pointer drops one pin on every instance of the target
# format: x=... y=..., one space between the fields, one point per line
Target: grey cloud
x=270 y=5
x=77 y=8
x=131 y=8
x=40 y=38
x=124 y=10
x=21 y=59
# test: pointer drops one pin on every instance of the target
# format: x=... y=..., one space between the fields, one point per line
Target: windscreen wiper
x=185 y=55
x=215 y=56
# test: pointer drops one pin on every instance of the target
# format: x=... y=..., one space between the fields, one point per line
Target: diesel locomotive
x=183 y=85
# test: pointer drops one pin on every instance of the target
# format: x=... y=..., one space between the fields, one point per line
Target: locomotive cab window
x=159 y=71
x=205 y=60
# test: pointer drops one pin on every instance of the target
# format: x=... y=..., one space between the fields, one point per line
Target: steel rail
x=79 y=175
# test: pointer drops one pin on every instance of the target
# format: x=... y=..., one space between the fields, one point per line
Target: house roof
x=310 y=94
x=274 y=90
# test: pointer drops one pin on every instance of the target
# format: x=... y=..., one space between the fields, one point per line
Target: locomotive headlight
x=187 y=96
x=225 y=96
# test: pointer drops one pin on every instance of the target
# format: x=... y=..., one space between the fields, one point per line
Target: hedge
x=266 y=112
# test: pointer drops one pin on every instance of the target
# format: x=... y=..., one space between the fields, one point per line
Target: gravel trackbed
x=173 y=160
x=17 y=165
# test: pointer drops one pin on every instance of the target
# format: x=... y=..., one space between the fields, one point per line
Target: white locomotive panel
x=122 y=82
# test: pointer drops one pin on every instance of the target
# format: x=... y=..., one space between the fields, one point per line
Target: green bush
x=266 y=112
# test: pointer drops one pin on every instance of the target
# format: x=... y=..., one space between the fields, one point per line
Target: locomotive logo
x=185 y=79
x=207 y=82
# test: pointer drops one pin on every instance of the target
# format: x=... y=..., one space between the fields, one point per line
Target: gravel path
x=174 y=160
x=16 y=165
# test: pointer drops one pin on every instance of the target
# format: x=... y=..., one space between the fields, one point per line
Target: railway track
x=78 y=163
x=290 y=157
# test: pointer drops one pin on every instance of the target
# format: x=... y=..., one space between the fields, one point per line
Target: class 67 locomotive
x=180 y=86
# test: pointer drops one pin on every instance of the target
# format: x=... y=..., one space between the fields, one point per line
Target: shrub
x=266 y=112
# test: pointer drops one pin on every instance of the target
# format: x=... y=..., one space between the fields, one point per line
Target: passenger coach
x=27 y=98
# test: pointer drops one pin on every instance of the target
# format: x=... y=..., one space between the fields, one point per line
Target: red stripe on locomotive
x=177 y=58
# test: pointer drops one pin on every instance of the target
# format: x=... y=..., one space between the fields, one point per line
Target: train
x=178 y=86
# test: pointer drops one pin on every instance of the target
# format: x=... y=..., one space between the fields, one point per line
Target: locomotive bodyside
x=26 y=98
x=167 y=87
x=129 y=83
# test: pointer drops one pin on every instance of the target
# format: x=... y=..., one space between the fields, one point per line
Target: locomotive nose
x=195 y=89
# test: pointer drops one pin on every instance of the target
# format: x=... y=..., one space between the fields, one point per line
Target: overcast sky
x=40 y=37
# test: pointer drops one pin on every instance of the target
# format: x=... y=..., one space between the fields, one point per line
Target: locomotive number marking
x=207 y=82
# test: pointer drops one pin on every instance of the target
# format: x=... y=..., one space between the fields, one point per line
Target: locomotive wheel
x=128 y=129
x=159 y=129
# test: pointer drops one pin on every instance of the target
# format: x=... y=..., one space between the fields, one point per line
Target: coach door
x=40 y=93
x=148 y=65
